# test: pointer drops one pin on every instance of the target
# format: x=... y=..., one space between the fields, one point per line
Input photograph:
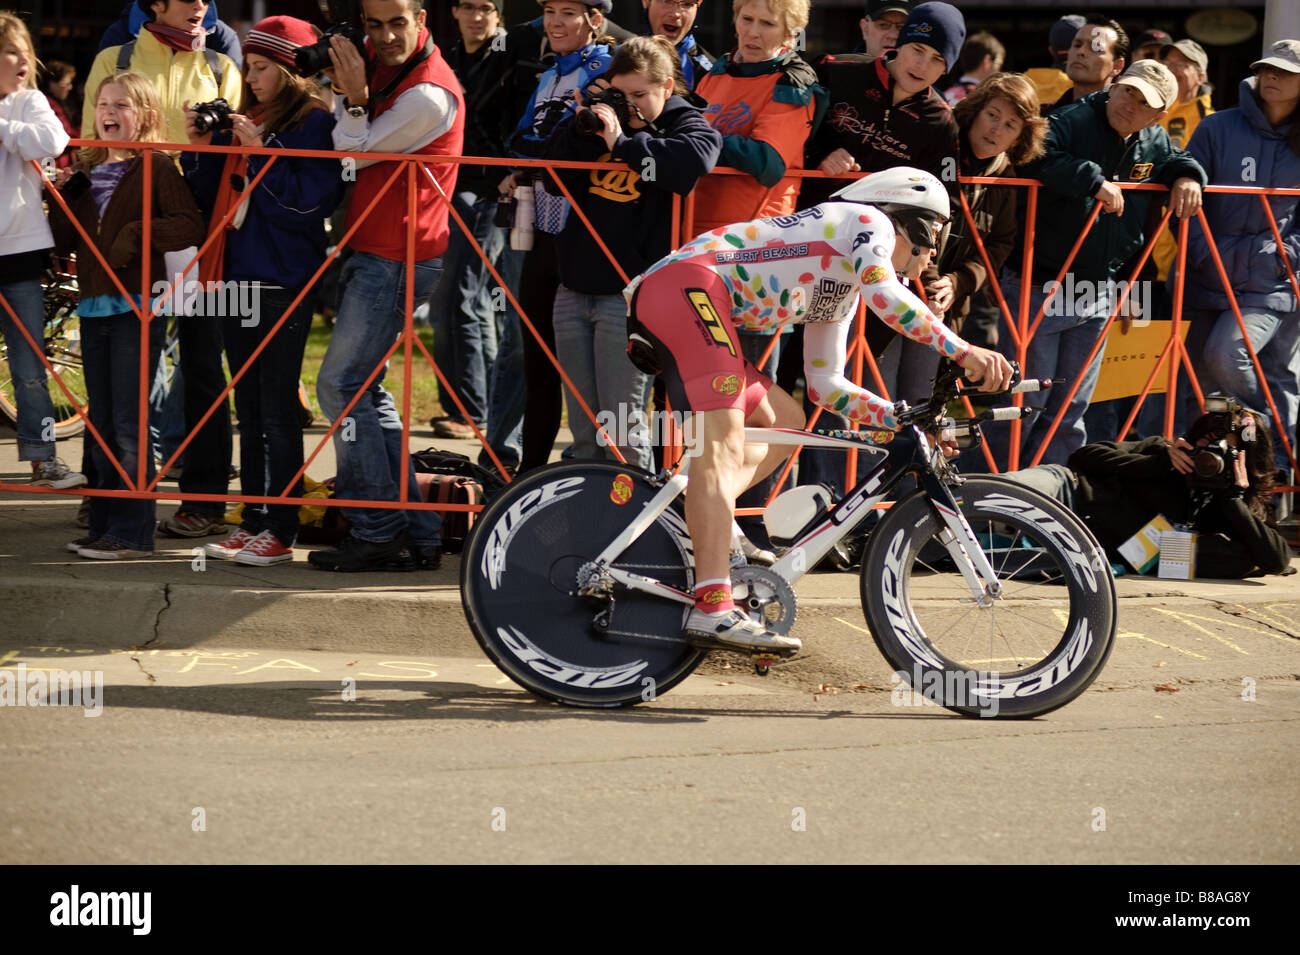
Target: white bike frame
x=809 y=550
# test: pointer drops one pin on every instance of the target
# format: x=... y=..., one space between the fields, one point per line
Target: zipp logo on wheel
x=703 y=306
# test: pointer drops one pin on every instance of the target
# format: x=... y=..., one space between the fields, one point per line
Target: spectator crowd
x=571 y=86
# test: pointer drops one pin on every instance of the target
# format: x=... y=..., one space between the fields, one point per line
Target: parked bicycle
x=579 y=577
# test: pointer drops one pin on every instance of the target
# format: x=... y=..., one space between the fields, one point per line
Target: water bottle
x=521 y=236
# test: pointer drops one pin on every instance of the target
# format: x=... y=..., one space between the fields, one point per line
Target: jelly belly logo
x=726 y=385
x=714 y=596
x=621 y=490
x=874 y=275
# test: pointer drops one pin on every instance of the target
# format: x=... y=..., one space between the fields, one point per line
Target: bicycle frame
x=908 y=452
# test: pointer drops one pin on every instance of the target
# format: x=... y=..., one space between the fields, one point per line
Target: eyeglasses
x=486 y=9
x=681 y=6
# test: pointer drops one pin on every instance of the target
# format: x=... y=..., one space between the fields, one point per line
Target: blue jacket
x=282 y=239
x=1082 y=151
x=1238 y=147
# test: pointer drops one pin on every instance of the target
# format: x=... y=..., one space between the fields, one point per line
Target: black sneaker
x=428 y=558
x=355 y=556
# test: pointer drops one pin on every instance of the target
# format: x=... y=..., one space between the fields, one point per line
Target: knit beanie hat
x=939 y=25
x=277 y=37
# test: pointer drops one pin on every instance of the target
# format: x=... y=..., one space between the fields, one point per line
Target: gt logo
x=709 y=316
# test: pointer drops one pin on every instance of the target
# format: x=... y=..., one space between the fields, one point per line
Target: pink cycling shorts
x=684 y=311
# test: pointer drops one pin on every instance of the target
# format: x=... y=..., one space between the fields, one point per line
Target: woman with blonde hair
x=106 y=195
x=273 y=244
x=29 y=130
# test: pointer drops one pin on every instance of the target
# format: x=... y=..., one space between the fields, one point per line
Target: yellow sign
x=1129 y=358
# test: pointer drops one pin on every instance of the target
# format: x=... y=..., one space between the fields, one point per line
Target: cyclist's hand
x=989 y=369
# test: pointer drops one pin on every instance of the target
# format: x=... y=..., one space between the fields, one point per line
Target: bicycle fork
x=959 y=540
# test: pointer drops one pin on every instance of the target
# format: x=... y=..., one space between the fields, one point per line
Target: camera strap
x=401 y=74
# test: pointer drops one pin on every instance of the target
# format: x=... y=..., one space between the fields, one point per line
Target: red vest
x=384 y=231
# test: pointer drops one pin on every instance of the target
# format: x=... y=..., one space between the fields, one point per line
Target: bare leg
x=725 y=466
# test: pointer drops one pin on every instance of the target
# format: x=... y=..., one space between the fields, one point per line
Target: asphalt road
x=1183 y=752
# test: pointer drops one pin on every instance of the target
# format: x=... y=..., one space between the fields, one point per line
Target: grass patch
x=424 y=383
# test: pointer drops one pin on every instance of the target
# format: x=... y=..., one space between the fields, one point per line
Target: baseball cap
x=1153 y=36
x=875 y=8
x=1190 y=49
x=1284 y=54
x=1153 y=80
x=1063 y=30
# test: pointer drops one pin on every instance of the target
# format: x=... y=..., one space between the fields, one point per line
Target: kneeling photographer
x=643 y=119
x=1217 y=481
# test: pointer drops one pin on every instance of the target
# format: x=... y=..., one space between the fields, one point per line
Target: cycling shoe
x=735 y=631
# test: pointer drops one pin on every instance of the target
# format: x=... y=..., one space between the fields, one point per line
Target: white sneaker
x=733 y=630
x=54 y=473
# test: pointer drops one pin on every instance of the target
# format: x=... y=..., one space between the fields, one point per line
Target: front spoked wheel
x=1029 y=649
x=519 y=586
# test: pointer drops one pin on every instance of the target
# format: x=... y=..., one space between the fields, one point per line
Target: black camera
x=212 y=116
x=343 y=16
x=1213 y=465
x=589 y=124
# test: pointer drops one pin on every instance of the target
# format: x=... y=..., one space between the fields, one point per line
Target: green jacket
x=1082 y=151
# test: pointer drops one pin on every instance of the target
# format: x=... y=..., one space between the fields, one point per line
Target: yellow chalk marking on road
x=7 y=657
x=206 y=660
x=1168 y=646
x=1280 y=622
x=271 y=665
x=1209 y=633
x=853 y=626
x=425 y=670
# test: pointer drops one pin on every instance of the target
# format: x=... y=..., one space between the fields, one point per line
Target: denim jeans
x=368 y=447
x=591 y=343
x=509 y=386
x=110 y=349
x=461 y=308
x=1275 y=336
x=1057 y=350
x=31 y=391
x=266 y=405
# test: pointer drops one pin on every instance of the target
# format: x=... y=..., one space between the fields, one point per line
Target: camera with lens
x=590 y=124
x=1212 y=465
x=212 y=116
x=344 y=18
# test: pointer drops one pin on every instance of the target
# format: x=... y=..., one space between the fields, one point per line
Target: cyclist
x=810 y=268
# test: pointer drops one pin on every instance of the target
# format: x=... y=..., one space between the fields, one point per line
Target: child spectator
x=29 y=130
x=106 y=196
x=276 y=241
x=573 y=29
x=668 y=145
x=57 y=87
x=981 y=57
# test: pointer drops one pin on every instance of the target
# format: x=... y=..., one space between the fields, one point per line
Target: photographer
x=275 y=242
x=1217 y=480
x=640 y=119
x=407 y=101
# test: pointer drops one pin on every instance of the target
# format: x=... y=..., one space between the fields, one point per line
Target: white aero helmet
x=912 y=198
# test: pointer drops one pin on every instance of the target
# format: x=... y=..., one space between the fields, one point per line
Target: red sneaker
x=265 y=548
x=232 y=545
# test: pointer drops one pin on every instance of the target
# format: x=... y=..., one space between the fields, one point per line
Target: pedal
x=763 y=663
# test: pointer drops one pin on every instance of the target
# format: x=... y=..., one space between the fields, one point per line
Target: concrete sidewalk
x=182 y=599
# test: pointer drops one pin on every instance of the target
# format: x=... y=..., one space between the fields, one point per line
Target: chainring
x=765 y=596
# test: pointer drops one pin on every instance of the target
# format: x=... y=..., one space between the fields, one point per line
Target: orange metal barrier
x=1020 y=325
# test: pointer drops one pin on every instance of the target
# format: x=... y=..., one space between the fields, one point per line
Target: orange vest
x=383 y=233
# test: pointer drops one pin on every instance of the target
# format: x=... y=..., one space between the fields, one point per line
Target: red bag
x=452 y=489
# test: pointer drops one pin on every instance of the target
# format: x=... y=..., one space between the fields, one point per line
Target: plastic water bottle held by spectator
x=521 y=236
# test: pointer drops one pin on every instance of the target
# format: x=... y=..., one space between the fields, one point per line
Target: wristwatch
x=356 y=112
